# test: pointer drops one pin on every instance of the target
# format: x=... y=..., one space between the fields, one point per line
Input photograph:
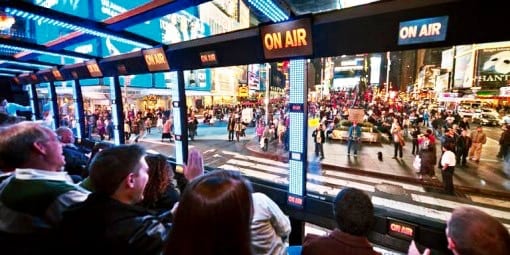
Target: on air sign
x=423 y=30
x=287 y=39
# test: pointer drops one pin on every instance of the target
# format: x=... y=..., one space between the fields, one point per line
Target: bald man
x=76 y=161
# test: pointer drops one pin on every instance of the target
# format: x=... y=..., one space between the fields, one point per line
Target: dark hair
x=213 y=217
x=110 y=166
x=449 y=146
x=99 y=146
x=354 y=212
x=476 y=232
x=160 y=176
x=16 y=142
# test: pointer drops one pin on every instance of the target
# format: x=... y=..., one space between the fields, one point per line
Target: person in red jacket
x=354 y=215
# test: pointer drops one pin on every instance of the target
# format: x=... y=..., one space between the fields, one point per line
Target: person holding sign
x=354 y=138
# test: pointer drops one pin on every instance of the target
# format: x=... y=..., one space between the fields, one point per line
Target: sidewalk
x=485 y=177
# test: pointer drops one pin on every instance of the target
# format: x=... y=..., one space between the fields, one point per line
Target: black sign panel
x=156 y=60
x=208 y=58
x=287 y=39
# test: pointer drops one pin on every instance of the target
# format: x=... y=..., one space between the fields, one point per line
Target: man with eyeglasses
x=33 y=198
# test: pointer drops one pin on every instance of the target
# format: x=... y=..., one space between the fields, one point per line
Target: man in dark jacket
x=76 y=161
x=108 y=222
x=354 y=215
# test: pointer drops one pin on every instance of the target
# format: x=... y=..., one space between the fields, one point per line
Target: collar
x=352 y=240
x=37 y=174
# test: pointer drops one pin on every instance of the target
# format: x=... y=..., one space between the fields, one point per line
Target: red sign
x=401 y=229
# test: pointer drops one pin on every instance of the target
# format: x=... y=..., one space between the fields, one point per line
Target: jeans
x=352 y=144
x=398 y=148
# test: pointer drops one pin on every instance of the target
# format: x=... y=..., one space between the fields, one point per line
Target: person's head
x=65 y=135
x=220 y=204
x=160 y=176
x=450 y=146
x=195 y=165
x=354 y=212
x=30 y=145
x=354 y=123
x=479 y=129
x=99 y=146
x=471 y=231
x=428 y=132
x=120 y=172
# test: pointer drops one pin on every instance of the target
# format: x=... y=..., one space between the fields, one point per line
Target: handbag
x=417 y=163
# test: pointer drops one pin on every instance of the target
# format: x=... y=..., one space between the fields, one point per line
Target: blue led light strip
x=19 y=63
x=7 y=74
x=16 y=48
x=38 y=18
x=270 y=9
x=14 y=70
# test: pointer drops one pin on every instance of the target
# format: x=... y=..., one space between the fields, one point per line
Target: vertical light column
x=52 y=92
x=32 y=94
x=180 y=122
x=298 y=142
x=79 y=113
x=117 y=111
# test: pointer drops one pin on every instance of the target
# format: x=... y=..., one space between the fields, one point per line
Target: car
x=488 y=119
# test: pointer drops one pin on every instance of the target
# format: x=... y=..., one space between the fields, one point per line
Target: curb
x=411 y=180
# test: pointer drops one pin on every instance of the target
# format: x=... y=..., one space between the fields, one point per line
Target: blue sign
x=423 y=30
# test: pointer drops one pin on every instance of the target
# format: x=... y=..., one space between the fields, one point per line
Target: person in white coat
x=270 y=227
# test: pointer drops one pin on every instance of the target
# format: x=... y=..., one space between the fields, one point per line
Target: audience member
x=354 y=214
x=214 y=217
x=470 y=231
x=109 y=222
x=448 y=162
x=33 y=198
x=160 y=193
x=270 y=227
x=76 y=161
x=195 y=166
x=191 y=170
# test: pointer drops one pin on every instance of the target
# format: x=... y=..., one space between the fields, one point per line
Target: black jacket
x=102 y=225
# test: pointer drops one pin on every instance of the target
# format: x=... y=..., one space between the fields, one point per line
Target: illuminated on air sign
x=423 y=30
x=94 y=69
x=400 y=229
x=287 y=39
x=156 y=60
x=208 y=58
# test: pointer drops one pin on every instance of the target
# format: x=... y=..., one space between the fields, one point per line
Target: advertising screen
x=493 y=70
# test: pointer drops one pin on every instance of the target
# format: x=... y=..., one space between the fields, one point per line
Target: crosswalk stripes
x=329 y=183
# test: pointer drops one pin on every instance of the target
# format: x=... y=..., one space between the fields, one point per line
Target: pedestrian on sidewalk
x=414 y=136
x=448 y=162
x=354 y=138
x=428 y=159
x=463 y=144
x=230 y=127
x=319 y=137
x=398 y=140
x=478 y=139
